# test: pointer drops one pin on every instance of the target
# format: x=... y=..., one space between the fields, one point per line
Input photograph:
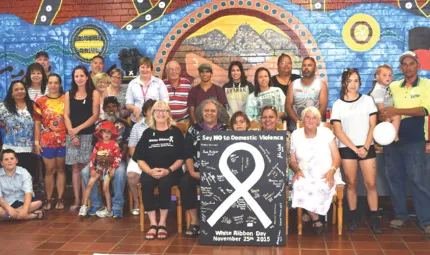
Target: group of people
x=86 y=128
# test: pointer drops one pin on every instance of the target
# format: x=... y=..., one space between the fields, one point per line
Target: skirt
x=80 y=154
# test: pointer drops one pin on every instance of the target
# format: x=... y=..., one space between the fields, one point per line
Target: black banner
x=243 y=188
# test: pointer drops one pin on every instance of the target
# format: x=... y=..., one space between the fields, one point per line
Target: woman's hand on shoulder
x=297 y=175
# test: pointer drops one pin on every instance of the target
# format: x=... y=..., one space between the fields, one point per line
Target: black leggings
x=188 y=186
x=27 y=160
x=164 y=189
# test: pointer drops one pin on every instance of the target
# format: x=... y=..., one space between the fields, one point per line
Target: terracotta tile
x=210 y=250
x=109 y=239
x=100 y=247
x=48 y=231
x=84 y=239
x=66 y=253
x=184 y=242
x=393 y=246
x=360 y=231
x=409 y=232
x=18 y=251
x=232 y=250
x=75 y=246
x=291 y=245
x=179 y=249
x=415 y=239
x=312 y=245
x=70 y=231
x=40 y=252
x=27 y=230
x=35 y=237
x=61 y=238
x=339 y=245
x=388 y=238
x=93 y=232
x=152 y=249
x=362 y=238
x=66 y=219
x=280 y=251
x=334 y=238
x=125 y=248
x=419 y=246
x=26 y=245
x=133 y=240
x=58 y=225
x=313 y=252
x=341 y=252
x=50 y=246
x=369 y=252
x=421 y=252
x=398 y=253
x=366 y=245
x=117 y=232
x=311 y=238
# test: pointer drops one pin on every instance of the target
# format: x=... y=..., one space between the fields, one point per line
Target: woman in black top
x=81 y=110
x=284 y=78
x=209 y=116
x=160 y=155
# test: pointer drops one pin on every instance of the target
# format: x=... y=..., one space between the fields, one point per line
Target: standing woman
x=50 y=138
x=237 y=89
x=264 y=95
x=118 y=90
x=353 y=119
x=16 y=113
x=160 y=155
x=81 y=110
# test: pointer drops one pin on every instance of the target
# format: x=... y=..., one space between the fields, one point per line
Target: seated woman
x=208 y=116
x=160 y=155
x=239 y=121
x=315 y=161
x=16 y=191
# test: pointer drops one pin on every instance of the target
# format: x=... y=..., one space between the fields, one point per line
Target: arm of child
x=116 y=153
x=93 y=157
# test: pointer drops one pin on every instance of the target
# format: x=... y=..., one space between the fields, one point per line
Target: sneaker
x=375 y=225
x=397 y=223
x=117 y=214
x=353 y=225
x=135 y=211
x=104 y=213
x=93 y=210
x=83 y=211
x=427 y=230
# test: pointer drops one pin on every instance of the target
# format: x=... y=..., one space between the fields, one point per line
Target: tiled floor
x=63 y=232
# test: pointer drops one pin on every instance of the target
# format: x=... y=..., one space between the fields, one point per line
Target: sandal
x=47 y=204
x=192 y=231
x=60 y=204
x=40 y=214
x=317 y=230
x=162 y=235
x=150 y=235
x=74 y=208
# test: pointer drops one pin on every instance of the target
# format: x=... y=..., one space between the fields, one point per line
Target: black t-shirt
x=160 y=148
x=284 y=87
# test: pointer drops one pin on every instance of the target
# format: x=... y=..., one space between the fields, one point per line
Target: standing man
x=284 y=78
x=16 y=191
x=97 y=65
x=179 y=89
x=205 y=90
x=305 y=92
x=406 y=159
x=42 y=58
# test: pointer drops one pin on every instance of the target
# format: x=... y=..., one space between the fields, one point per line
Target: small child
x=105 y=158
x=382 y=95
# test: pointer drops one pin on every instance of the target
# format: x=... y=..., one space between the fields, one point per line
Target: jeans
x=407 y=162
x=119 y=180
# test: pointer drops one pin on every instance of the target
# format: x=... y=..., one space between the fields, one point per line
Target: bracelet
x=36 y=143
x=365 y=149
x=170 y=170
x=333 y=168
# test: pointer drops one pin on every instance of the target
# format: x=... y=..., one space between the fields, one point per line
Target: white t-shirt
x=354 y=118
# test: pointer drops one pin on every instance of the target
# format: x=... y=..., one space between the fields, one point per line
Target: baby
x=382 y=95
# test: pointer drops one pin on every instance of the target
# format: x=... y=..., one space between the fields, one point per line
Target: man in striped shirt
x=178 y=89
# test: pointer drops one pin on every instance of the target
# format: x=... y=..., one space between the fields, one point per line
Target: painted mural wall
x=337 y=33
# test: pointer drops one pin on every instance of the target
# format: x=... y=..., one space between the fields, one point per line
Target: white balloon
x=384 y=133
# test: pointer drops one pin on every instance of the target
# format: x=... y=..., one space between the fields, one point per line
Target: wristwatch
x=170 y=170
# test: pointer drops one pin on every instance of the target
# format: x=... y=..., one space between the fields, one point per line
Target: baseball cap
x=204 y=67
x=409 y=54
x=42 y=54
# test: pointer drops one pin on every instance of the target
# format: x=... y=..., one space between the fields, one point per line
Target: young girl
x=382 y=95
x=105 y=158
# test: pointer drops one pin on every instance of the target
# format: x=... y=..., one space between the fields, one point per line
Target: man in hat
x=205 y=90
x=111 y=113
x=406 y=159
x=42 y=58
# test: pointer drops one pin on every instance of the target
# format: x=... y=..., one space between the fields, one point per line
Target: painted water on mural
x=22 y=40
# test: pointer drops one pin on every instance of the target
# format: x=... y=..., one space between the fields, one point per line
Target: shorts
x=51 y=153
x=133 y=167
x=18 y=203
x=347 y=153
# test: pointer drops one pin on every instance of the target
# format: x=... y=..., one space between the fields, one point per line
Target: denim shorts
x=51 y=153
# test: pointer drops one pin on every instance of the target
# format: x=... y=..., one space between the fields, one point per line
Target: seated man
x=111 y=113
x=16 y=191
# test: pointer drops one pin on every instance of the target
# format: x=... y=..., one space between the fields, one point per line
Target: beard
x=308 y=74
x=111 y=116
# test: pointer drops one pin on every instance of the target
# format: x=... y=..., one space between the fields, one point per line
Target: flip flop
x=60 y=204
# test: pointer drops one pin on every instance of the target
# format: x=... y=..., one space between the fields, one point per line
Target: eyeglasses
x=161 y=111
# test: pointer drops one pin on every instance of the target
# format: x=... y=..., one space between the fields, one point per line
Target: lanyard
x=35 y=97
x=144 y=92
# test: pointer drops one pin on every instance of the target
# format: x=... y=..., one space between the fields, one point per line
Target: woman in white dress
x=315 y=160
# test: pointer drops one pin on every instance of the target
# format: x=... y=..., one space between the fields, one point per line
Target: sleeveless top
x=81 y=111
x=305 y=96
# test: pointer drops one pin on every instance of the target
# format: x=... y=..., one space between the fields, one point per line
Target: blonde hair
x=313 y=110
x=160 y=104
x=379 y=69
x=101 y=77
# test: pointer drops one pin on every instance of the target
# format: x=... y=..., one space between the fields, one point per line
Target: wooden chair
x=175 y=191
x=337 y=199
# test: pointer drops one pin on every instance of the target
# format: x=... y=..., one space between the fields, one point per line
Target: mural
x=336 y=33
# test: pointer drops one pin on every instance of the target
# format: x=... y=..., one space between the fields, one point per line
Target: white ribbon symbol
x=241 y=189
